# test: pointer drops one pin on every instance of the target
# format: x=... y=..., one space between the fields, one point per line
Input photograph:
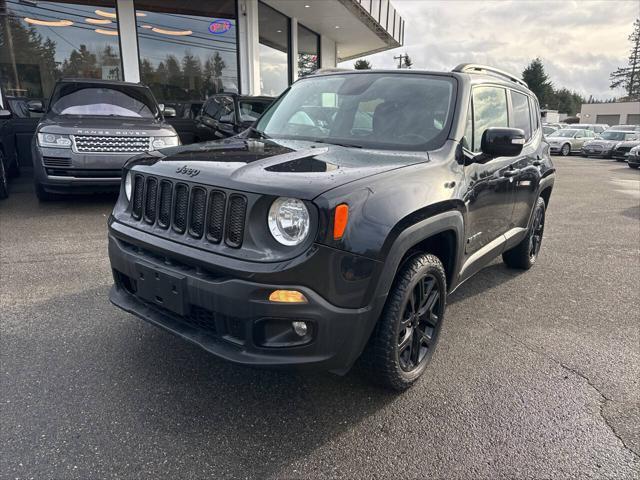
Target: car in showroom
x=606 y=143
x=633 y=158
x=622 y=150
x=334 y=228
x=89 y=130
x=227 y=114
x=569 y=140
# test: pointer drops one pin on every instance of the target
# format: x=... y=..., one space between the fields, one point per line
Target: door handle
x=510 y=173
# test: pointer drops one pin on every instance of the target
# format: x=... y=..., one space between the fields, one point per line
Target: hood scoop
x=286 y=162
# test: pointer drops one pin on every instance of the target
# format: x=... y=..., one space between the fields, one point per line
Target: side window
x=580 y=134
x=489 y=110
x=521 y=115
x=535 y=115
x=467 y=140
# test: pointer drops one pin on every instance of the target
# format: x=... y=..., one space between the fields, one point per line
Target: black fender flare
x=413 y=235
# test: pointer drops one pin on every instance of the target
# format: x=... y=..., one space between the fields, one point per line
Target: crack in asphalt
x=576 y=372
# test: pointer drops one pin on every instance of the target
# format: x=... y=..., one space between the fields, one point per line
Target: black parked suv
x=90 y=129
x=9 y=166
x=337 y=225
x=227 y=114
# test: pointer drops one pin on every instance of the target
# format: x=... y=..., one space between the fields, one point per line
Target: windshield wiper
x=258 y=133
x=340 y=144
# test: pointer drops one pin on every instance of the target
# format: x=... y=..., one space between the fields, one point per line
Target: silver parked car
x=569 y=140
x=623 y=149
x=626 y=128
x=604 y=145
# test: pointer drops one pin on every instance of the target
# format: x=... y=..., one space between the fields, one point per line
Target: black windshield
x=372 y=110
x=102 y=100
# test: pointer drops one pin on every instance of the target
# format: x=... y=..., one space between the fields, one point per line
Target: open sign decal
x=220 y=26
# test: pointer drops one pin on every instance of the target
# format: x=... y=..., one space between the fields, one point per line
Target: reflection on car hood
x=104 y=126
x=279 y=167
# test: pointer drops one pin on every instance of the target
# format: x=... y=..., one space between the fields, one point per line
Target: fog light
x=300 y=328
x=287 y=296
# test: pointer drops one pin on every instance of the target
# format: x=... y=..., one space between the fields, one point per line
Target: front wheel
x=407 y=332
x=43 y=195
x=633 y=166
x=565 y=150
x=524 y=254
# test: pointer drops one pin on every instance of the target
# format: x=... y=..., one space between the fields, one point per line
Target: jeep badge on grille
x=192 y=172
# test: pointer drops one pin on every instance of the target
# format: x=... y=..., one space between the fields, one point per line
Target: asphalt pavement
x=537 y=374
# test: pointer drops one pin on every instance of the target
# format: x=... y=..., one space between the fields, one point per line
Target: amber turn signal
x=287 y=296
x=340 y=220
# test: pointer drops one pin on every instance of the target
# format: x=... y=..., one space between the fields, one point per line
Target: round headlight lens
x=128 y=185
x=289 y=221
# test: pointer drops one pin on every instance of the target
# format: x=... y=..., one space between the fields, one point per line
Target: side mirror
x=502 y=142
x=169 y=112
x=4 y=114
x=35 y=106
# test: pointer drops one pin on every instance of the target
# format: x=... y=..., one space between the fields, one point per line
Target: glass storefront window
x=41 y=42
x=274 y=34
x=188 y=52
x=308 y=51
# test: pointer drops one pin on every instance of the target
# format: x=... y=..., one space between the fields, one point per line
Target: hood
x=298 y=169
x=104 y=126
x=602 y=142
x=628 y=143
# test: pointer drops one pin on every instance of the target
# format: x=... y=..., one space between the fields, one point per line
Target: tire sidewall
x=438 y=274
x=4 y=181
x=540 y=205
x=568 y=151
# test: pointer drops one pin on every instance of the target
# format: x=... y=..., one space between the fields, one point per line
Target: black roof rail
x=476 y=68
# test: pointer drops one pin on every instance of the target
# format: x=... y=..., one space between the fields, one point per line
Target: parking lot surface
x=536 y=374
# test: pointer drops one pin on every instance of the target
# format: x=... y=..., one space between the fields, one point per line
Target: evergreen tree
x=538 y=81
x=362 y=65
x=629 y=77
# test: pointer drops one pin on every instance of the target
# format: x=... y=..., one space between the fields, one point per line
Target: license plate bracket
x=162 y=288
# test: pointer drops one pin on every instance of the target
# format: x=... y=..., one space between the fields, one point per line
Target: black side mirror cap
x=35 y=106
x=502 y=142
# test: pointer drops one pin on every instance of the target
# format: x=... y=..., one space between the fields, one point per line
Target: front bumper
x=596 y=151
x=65 y=171
x=225 y=314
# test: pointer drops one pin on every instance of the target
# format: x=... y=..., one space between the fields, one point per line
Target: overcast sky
x=579 y=41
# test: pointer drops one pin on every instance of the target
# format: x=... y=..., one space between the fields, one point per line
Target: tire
x=4 y=184
x=524 y=255
x=633 y=166
x=405 y=336
x=43 y=195
x=565 y=151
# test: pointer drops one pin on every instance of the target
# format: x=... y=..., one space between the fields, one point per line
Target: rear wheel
x=633 y=166
x=524 y=254
x=4 y=185
x=565 y=150
x=407 y=332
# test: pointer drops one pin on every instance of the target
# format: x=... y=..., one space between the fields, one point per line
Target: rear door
x=527 y=180
x=489 y=195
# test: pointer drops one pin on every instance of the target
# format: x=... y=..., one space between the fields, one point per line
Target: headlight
x=635 y=150
x=289 y=221
x=128 y=185
x=54 y=140
x=163 y=142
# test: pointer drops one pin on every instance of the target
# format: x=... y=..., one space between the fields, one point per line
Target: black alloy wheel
x=420 y=324
x=537 y=230
x=406 y=334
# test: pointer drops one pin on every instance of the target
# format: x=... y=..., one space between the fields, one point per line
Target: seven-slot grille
x=111 y=144
x=194 y=211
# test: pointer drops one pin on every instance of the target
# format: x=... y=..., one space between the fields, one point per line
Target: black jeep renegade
x=334 y=228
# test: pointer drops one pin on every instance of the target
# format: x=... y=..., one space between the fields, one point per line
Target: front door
x=490 y=185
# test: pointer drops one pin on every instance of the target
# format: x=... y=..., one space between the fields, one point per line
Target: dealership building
x=186 y=51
